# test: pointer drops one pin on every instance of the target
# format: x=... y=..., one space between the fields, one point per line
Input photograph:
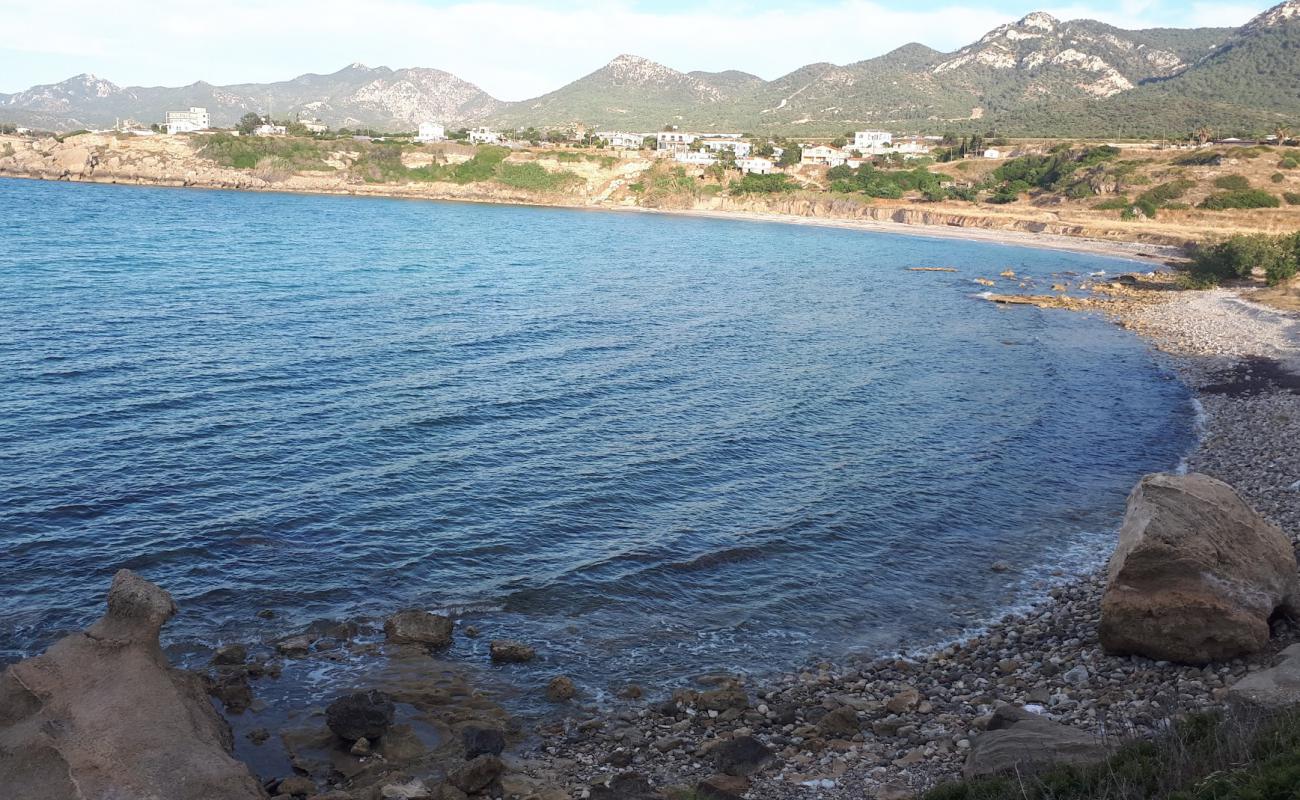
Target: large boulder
x=1273 y=689
x=1196 y=575
x=1024 y=743
x=360 y=715
x=102 y=714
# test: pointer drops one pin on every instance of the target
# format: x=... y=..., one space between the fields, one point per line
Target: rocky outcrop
x=1020 y=742
x=1273 y=689
x=103 y=715
x=1197 y=574
x=415 y=626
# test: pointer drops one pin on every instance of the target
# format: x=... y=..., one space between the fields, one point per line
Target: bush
x=1288 y=163
x=1239 y=256
x=533 y=177
x=247 y=152
x=1233 y=183
x=1165 y=192
x=1292 y=198
x=764 y=184
x=1250 y=198
x=1113 y=204
x=1199 y=159
x=1277 y=177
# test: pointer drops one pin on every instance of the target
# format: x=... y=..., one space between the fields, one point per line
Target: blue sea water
x=653 y=445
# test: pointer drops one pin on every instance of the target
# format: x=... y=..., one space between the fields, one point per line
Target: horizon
x=504 y=60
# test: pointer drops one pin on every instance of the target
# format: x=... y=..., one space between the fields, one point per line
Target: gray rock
x=742 y=755
x=561 y=689
x=509 y=651
x=625 y=786
x=416 y=626
x=482 y=740
x=360 y=715
x=476 y=774
x=1025 y=743
x=1273 y=689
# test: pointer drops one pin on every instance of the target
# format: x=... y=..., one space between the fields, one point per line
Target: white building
x=872 y=141
x=701 y=158
x=269 y=130
x=314 y=125
x=431 y=132
x=991 y=153
x=821 y=154
x=484 y=136
x=196 y=119
x=756 y=165
x=714 y=144
x=622 y=140
x=674 y=140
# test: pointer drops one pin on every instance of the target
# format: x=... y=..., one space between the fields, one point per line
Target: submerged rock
x=360 y=715
x=1196 y=575
x=561 y=689
x=103 y=714
x=508 y=651
x=1025 y=743
x=416 y=626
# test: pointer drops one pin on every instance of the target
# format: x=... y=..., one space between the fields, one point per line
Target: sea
x=654 y=446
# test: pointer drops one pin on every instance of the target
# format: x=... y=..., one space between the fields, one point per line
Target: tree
x=248 y=123
x=838 y=142
x=791 y=156
x=1282 y=132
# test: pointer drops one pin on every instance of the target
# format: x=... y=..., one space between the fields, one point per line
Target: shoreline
x=1138 y=252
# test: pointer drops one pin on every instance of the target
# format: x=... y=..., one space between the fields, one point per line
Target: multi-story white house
x=484 y=136
x=872 y=141
x=755 y=165
x=622 y=140
x=196 y=119
x=740 y=148
x=431 y=132
x=823 y=155
x=701 y=158
x=674 y=140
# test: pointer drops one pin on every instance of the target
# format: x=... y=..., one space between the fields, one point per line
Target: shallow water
x=656 y=446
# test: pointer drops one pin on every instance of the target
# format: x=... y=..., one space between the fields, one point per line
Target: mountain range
x=1036 y=76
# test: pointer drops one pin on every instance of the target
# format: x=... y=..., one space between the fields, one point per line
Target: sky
x=512 y=49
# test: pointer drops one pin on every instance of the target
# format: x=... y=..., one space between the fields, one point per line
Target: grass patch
x=1199 y=159
x=1247 y=198
x=247 y=152
x=533 y=177
x=1204 y=757
x=1113 y=204
x=1233 y=183
x=764 y=184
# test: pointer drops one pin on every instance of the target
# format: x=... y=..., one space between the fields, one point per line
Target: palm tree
x=1203 y=134
x=1282 y=132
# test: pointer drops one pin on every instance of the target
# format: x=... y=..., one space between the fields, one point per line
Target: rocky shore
x=886 y=727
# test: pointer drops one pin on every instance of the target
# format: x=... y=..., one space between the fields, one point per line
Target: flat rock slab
x=1274 y=689
x=1026 y=744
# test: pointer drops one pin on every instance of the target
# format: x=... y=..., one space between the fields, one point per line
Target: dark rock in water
x=481 y=740
x=232 y=655
x=103 y=714
x=508 y=651
x=361 y=714
x=266 y=613
x=625 y=786
x=561 y=689
x=416 y=626
x=476 y=774
x=296 y=646
x=296 y=786
x=743 y=755
x=1024 y=743
x=722 y=787
x=232 y=689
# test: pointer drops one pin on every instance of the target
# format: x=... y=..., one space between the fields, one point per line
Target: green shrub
x=1165 y=192
x=1113 y=204
x=1288 y=163
x=968 y=193
x=1250 y=198
x=1292 y=198
x=534 y=177
x=1200 y=158
x=247 y=152
x=1277 y=177
x=1233 y=183
x=764 y=184
x=1239 y=256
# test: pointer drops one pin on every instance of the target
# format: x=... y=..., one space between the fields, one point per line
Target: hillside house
x=823 y=155
x=269 y=130
x=313 y=125
x=991 y=153
x=622 y=140
x=196 y=119
x=873 y=142
x=674 y=140
x=431 y=132
x=484 y=136
x=756 y=166
x=699 y=158
x=715 y=144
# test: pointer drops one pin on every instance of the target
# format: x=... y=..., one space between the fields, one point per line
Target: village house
x=701 y=158
x=823 y=155
x=431 y=132
x=484 y=136
x=196 y=119
x=755 y=165
x=622 y=140
x=717 y=144
x=268 y=129
x=674 y=140
x=873 y=142
x=991 y=153
x=313 y=125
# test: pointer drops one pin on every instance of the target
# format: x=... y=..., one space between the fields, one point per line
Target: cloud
x=511 y=48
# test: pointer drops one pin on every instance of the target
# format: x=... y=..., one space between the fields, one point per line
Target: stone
x=233 y=690
x=1196 y=575
x=231 y=655
x=841 y=723
x=509 y=651
x=296 y=786
x=416 y=626
x=103 y=714
x=295 y=646
x=561 y=689
x=476 y=774
x=741 y=755
x=482 y=740
x=1273 y=689
x=361 y=747
x=723 y=699
x=722 y=787
x=360 y=714
x=624 y=786
x=1024 y=743
x=414 y=789
x=902 y=702
x=1000 y=566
